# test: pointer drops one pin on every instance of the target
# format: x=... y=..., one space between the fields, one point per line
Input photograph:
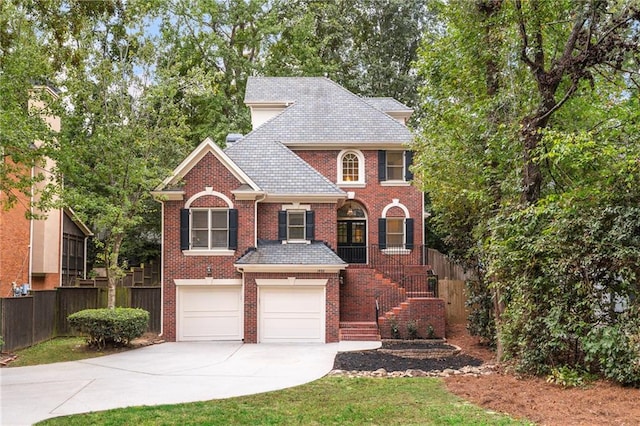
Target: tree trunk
x=114 y=273
x=531 y=173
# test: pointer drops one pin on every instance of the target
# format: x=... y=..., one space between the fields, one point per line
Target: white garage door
x=209 y=313
x=289 y=314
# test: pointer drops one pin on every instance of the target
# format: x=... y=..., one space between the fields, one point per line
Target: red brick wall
x=423 y=312
x=208 y=172
x=14 y=249
x=332 y=321
x=374 y=197
x=325 y=221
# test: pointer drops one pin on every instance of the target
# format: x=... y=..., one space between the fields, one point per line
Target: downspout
x=162 y=245
x=84 y=263
x=255 y=222
x=31 y=229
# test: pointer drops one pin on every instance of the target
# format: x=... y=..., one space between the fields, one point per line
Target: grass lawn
x=331 y=400
x=59 y=349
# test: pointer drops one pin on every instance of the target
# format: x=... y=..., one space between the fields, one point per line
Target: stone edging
x=468 y=370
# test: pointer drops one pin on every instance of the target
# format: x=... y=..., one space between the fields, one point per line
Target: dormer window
x=350 y=168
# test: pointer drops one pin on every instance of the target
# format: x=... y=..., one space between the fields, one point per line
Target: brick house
x=45 y=252
x=307 y=229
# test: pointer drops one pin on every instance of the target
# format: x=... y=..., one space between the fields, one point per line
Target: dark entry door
x=352 y=241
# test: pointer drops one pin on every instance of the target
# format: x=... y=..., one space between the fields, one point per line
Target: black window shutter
x=408 y=224
x=382 y=166
x=382 y=233
x=310 y=225
x=408 y=161
x=233 y=229
x=184 y=229
x=282 y=225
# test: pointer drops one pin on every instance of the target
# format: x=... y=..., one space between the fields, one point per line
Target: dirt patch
x=601 y=403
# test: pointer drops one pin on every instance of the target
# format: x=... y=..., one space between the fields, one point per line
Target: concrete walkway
x=167 y=373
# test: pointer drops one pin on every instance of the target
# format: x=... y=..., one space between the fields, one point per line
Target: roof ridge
x=359 y=98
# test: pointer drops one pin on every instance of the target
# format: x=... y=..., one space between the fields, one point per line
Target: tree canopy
x=529 y=154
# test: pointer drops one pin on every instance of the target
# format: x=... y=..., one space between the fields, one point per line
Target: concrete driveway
x=167 y=373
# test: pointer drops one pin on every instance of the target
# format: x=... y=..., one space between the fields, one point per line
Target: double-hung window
x=395 y=233
x=296 y=225
x=208 y=229
x=394 y=166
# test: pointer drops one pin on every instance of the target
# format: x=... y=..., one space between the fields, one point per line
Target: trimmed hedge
x=115 y=327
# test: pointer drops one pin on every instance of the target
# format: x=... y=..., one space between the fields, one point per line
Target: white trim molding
x=360 y=183
x=209 y=191
x=395 y=203
x=209 y=282
x=291 y=281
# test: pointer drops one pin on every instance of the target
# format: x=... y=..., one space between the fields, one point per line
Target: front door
x=352 y=241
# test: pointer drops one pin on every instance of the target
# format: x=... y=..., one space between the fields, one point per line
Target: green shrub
x=430 y=333
x=614 y=350
x=395 y=328
x=412 y=329
x=567 y=376
x=115 y=327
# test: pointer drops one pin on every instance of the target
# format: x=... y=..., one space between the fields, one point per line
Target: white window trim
x=211 y=251
x=296 y=207
x=206 y=252
x=208 y=191
x=395 y=202
x=304 y=228
x=395 y=182
x=361 y=182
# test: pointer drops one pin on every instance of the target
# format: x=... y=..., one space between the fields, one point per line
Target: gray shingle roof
x=276 y=253
x=387 y=104
x=322 y=112
x=277 y=170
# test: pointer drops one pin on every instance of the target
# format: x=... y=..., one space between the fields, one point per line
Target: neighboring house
x=299 y=230
x=41 y=253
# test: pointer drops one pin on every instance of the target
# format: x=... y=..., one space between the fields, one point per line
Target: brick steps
x=359 y=331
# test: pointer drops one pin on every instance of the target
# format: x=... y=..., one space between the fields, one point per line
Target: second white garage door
x=209 y=313
x=291 y=314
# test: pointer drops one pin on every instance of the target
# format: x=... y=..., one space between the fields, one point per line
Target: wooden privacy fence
x=451 y=286
x=25 y=321
x=455 y=298
x=445 y=269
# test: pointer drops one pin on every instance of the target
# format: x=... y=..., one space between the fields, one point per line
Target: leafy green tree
x=213 y=47
x=25 y=139
x=123 y=131
x=367 y=46
x=529 y=156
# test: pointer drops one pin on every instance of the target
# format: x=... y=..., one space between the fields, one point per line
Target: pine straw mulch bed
x=599 y=403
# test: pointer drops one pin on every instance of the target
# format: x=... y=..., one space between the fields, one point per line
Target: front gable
x=202 y=168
